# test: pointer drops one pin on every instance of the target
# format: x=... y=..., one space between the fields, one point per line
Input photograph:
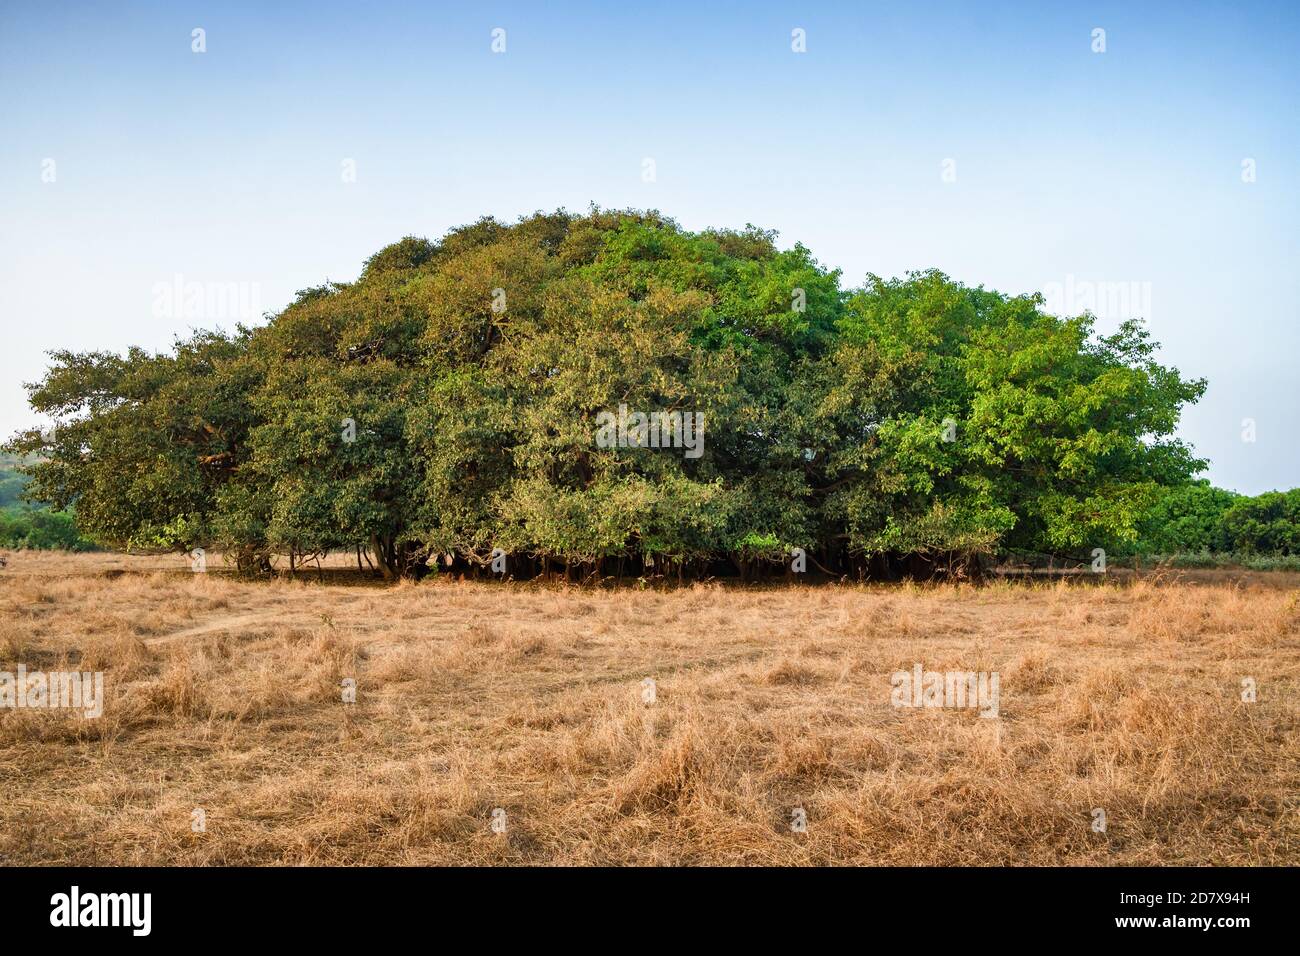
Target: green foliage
x=1203 y=524
x=1266 y=524
x=1185 y=519
x=23 y=525
x=1233 y=560
x=910 y=416
x=40 y=529
x=961 y=419
x=12 y=481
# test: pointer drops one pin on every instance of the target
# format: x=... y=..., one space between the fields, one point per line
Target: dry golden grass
x=225 y=695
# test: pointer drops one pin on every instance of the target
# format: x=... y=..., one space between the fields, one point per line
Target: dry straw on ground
x=225 y=695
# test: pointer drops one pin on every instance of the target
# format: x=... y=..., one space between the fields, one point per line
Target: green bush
x=1197 y=522
x=1220 y=559
x=1266 y=524
x=40 y=529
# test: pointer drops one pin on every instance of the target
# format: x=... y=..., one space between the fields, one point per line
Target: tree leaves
x=910 y=415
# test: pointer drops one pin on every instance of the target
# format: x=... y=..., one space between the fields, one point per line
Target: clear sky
x=1108 y=178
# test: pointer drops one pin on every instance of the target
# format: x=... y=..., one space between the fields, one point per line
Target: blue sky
x=1113 y=176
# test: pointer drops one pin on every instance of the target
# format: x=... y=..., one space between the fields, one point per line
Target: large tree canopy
x=447 y=403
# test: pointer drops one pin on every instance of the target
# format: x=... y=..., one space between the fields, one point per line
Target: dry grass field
x=225 y=695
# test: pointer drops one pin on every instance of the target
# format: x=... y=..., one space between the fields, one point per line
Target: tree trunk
x=384 y=556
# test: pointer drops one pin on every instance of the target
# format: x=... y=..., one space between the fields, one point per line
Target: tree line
x=444 y=407
x=1196 y=518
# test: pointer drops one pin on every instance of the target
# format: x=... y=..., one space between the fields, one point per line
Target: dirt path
x=305 y=615
x=212 y=627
